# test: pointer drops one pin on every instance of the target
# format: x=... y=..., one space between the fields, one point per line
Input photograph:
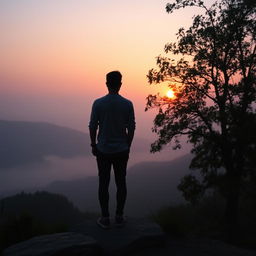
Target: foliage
x=213 y=78
x=25 y=215
x=186 y=220
x=205 y=219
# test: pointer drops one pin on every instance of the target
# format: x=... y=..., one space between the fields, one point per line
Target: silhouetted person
x=113 y=123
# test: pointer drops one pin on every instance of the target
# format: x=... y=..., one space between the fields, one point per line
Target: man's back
x=114 y=115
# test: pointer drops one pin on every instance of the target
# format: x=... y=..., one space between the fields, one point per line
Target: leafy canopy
x=212 y=72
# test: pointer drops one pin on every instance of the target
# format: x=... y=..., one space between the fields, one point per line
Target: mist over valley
x=44 y=156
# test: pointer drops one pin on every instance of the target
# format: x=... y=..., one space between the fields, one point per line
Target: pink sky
x=55 y=54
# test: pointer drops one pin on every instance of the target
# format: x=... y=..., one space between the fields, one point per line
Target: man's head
x=114 y=81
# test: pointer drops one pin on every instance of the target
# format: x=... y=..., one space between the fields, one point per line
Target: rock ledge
x=89 y=240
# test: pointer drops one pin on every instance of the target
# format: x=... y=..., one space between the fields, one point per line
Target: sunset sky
x=54 y=55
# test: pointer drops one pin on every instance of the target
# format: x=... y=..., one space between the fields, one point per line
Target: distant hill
x=154 y=184
x=30 y=142
x=45 y=207
x=151 y=185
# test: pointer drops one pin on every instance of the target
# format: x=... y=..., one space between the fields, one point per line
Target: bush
x=175 y=220
x=205 y=218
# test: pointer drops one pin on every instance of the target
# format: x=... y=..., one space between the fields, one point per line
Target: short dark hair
x=114 y=79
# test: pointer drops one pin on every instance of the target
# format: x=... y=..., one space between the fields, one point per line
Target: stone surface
x=138 y=238
x=59 y=244
x=196 y=247
x=138 y=234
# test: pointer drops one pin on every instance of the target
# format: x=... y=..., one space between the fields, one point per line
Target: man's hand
x=94 y=150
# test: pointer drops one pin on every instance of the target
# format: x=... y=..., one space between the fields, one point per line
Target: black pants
x=119 y=163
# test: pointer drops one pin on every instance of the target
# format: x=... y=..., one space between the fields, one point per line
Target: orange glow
x=170 y=94
x=63 y=56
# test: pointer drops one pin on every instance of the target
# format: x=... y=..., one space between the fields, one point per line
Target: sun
x=170 y=94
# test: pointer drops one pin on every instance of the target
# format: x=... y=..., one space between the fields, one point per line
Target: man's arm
x=93 y=126
x=93 y=134
x=130 y=136
x=131 y=126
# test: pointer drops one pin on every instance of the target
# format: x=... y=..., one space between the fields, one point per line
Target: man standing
x=113 y=123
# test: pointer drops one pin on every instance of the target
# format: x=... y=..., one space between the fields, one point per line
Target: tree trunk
x=232 y=206
x=232 y=189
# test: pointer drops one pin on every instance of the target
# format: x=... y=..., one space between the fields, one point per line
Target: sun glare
x=170 y=94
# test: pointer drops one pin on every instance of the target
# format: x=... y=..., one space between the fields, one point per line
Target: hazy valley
x=42 y=156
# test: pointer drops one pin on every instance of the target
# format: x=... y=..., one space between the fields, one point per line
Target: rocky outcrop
x=138 y=238
x=87 y=239
x=59 y=244
x=138 y=234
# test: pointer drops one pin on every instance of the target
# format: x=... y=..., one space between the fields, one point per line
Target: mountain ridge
x=150 y=187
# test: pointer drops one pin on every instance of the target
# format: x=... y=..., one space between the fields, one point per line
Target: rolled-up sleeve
x=131 y=119
x=94 y=120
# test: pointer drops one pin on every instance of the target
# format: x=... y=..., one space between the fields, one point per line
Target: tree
x=213 y=78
